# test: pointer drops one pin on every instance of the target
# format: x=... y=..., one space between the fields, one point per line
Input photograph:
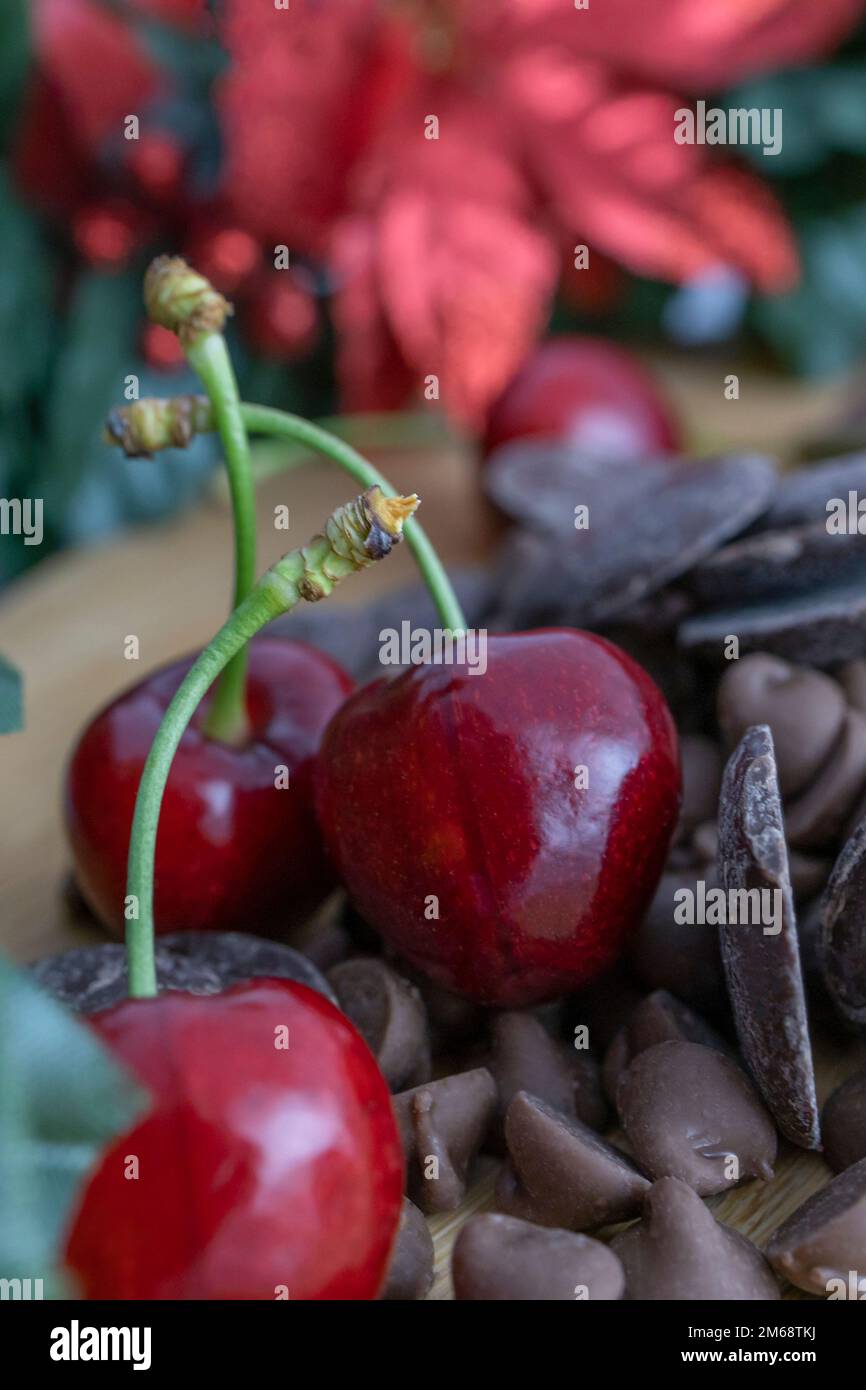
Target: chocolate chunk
x=524 y=1057
x=389 y=1015
x=689 y=1112
x=802 y=496
x=499 y=1257
x=91 y=978
x=682 y=957
x=658 y=1018
x=843 y=1123
x=680 y=1253
x=649 y=521
x=562 y=1173
x=805 y=710
x=843 y=931
x=702 y=763
x=852 y=679
x=761 y=955
x=821 y=628
x=777 y=563
x=443 y=1125
x=821 y=1248
x=818 y=816
x=410 y=1273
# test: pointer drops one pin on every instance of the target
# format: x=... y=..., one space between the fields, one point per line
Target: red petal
x=371 y=372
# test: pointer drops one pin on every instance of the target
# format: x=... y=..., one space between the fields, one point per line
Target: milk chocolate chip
x=679 y=1252
x=389 y=1015
x=443 y=1125
x=499 y=1257
x=689 y=1112
x=525 y=1057
x=658 y=1018
x=410 y=1273
x=844 y=1123
x=821 y=1248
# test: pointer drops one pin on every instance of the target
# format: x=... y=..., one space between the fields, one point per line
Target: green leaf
x=14 y=60
x=62 y=1099
x=27 y=322
x=11 y=701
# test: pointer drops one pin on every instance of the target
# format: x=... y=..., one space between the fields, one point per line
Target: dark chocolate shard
x=679 y=1252
x=500 y=1257
x=805 y=710
x=562 y=1173
x=91 y=978
x=658 y=1018
x=649 y=521
x=410 y=1272
x=524 y=1057
x=843 y=931
x=777 y=563
x=690 y=1112
x=843 y=1123
x=390 y=1016
x=761 y=954
x=443 y=1125
x=821 y=628
x=821 y=1248
x=802 y=495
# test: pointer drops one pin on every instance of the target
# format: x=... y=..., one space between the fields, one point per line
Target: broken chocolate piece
x=843 y=1123
x=792 y=560
x=761 y=955
x=802 y=495
x=843 y=931
x=524 y=1057
x=410 y=1273
x=389 y=1015
x=821 y=628
x=500 y=1257
x=563 y=1173
x=443 y=1125
x=689 y=1112
x=658 y=1018
x=821 y=1248
x=91 y=978
x=679 y=1252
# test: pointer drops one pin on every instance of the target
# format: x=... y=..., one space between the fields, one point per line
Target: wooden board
x=65 y=626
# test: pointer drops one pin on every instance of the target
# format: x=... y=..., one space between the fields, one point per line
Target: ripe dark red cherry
x=236 y=852
x=449 y=804
x=269 y=1166
x=594 y=394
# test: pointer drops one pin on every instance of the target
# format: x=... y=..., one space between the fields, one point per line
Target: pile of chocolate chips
x=701 y=1065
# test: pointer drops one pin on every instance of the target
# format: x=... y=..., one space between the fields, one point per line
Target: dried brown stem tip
x=386 y=516
x=151 y=424
x=183 y=301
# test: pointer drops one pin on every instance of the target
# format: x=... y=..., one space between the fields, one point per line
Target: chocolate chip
x=802 y=496
x=676 y=514
x=821 y=628
x=658 y=1018
x=689 y=1112
x=679 y=1252
x=524 y=1057
x=561 y=1172
x=778 y=563
x=843 y=1123
x=410 y=1273
x=389 y=1015
x=821 y=1248
x=843 y=931
x=761 y=956
x=455 y=1023
x=852 y=678
x=702 y=762
x=499 y=1257
x=443 y=1125
x=91 y=978
x=818 y=816
x=805 y=710
x=681 y=957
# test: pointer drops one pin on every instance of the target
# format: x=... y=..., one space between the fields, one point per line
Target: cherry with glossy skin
x=449 y=805
x=269 y=1165
x=594 y=394
x=235 y=851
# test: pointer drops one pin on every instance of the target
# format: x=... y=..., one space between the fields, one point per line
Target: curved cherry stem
x=261 y=419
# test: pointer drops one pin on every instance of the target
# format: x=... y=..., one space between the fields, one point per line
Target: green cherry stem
x=355 y=536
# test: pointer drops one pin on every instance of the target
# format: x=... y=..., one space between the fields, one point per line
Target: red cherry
x=270 y=1164
x=591 y=392
x=449 y=805
x=161 y=349
x=235 y=851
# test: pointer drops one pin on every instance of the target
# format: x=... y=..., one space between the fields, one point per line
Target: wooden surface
x=65 y=626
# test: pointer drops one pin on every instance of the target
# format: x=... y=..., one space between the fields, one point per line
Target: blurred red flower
x=553 y=122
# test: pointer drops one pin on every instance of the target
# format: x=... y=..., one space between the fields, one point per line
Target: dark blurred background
x=228 y=131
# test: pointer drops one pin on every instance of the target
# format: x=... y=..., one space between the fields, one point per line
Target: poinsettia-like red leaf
x=466 y=286
x=615 y=176
x=94 y=64
x=370 y=369
x=186 y=14
x=696 y=45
